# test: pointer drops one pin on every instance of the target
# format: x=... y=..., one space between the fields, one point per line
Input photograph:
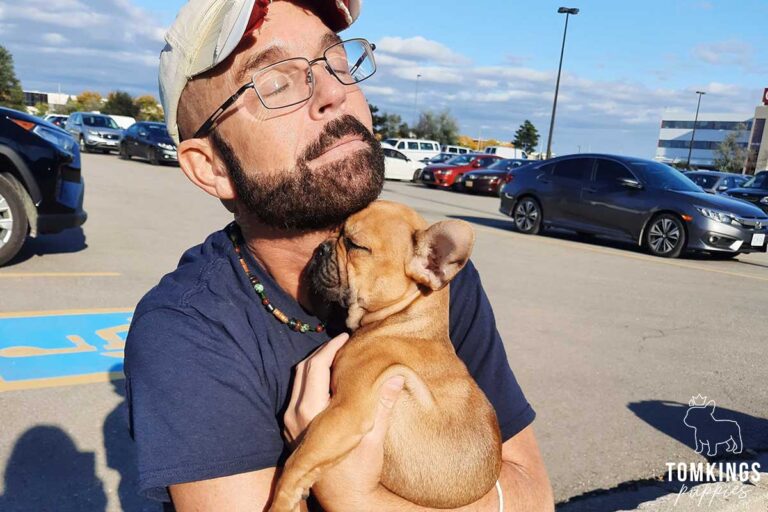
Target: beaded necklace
x=236 y=236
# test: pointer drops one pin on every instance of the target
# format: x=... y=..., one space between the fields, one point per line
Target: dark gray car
x=716 y=182
x=631 y=199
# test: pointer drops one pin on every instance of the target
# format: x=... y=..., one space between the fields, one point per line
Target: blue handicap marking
x=62 y=345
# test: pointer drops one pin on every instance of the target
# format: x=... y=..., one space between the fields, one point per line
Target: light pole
x=567 y=11
x=416 y=101
x=693 y=133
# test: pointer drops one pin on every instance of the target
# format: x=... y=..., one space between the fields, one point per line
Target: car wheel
x=13 y=221
x=665 y=236
x=153 y=157
x=83 y=145
x=123 y=154
x=527 y=216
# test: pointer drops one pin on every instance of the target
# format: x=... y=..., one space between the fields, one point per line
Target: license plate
x=758 y=239
x=111 y=143
x=469 y=184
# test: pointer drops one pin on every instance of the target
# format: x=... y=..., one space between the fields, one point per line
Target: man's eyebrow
x=255 y=61
x=329 y=39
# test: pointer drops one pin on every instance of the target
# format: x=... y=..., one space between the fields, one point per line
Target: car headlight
x=724 y=217
x=61 y=140
x=93 y=133
x=470 y=177
x=164 y=145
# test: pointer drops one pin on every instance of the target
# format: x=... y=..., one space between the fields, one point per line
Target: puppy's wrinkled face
x=384 y=253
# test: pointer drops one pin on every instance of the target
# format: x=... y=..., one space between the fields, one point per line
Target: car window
x=739 y=181
x=462 y=151
x=413 y=145
x=702 y=180
x=662 y=176
x=100 y=122
x=573 y=168
x=610 y=172
x=484 y=162
x=401 y=145
x=460 y=160
x=759 y=181
x=393 y=153
x=391 y=142
x=426 y=146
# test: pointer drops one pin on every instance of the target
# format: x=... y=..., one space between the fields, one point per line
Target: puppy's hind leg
x=329 y=438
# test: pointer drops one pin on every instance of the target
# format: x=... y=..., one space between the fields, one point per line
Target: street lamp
x=567 y=11
x=416 y=101
x=693 y=133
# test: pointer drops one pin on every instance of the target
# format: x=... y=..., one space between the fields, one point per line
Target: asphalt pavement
x=608 y=343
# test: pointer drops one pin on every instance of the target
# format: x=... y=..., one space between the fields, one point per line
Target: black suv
x=41 y=189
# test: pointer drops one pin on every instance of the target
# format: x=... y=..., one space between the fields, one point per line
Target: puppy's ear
x=440 y=251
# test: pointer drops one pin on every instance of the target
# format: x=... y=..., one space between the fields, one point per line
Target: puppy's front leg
x=329 y=438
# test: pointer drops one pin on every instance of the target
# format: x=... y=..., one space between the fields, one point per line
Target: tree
x=730 y=156
x=120 y=103
x=386 y=126
x=149 y=109
x=11 y=93
x=86 y=101
x=41 y=109
x=526 y=137
x=441 y=127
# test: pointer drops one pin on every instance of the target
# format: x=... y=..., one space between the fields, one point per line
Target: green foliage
x=42 y=109
x=441 y=127
x=526 y=137
x=388 y=125
x=86 y=101
x=729 y=155
x=11 y=93
x=149 y=109
x=120 y=103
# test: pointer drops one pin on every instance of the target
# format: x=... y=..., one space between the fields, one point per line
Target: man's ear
x=201 y=165
x=440 y=251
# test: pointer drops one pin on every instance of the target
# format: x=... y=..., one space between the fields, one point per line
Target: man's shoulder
x=191 y=282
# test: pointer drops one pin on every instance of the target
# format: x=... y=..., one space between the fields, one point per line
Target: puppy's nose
x=324 y=250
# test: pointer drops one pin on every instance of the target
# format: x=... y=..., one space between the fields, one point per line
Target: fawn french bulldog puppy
x=390 y=270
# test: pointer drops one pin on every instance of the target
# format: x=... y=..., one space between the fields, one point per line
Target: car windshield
x=759 y=181
x=662 y=176
x=703 y=180
x=460 y=160
x=440 y=158
x=100 y=122
x=158 y=131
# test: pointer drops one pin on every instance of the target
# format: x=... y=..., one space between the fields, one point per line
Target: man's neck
x=283 y=254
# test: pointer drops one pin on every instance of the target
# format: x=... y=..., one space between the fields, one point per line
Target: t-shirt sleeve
x=478 y=344
x=197 y=408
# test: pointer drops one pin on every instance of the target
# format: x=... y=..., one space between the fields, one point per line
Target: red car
x=446 y=175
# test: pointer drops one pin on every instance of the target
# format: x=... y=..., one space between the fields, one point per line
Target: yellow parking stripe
x=64 y=312
x=21 y=275
x=599 y=250
x=59 y=381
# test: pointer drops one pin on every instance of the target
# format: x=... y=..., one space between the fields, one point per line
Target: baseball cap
x=206 y=32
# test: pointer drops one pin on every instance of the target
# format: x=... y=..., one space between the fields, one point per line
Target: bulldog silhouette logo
x=710 y=431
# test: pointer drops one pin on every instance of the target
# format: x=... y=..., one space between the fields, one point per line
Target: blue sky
x=492 y=63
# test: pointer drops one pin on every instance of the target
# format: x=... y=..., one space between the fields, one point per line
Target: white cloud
x=731 y=52
x=54 y=38
x=420 y=49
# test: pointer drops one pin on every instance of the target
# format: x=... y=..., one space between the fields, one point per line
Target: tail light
x=509 y=177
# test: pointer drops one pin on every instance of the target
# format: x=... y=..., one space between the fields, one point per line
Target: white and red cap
x=206 y=32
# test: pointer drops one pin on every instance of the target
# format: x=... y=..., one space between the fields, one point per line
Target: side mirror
x=476 y=164
x=630 y=183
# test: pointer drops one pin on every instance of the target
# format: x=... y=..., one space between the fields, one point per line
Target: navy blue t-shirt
x=209 y=370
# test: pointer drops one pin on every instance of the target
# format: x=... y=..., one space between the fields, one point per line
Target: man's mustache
x=335 y=130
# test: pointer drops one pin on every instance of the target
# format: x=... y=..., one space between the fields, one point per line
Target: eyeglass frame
x=210 y=123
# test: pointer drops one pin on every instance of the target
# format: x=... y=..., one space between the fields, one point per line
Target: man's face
x=303 y=167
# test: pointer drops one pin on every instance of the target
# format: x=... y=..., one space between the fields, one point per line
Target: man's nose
x=329 y=95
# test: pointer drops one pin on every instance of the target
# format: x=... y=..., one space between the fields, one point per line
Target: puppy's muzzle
x=325 y=279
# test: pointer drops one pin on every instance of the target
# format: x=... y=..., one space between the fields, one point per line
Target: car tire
x=83 y=145
x=152 y=157
x=527 y=216
x=665 y=236
x=13 y=221
x=123 y=154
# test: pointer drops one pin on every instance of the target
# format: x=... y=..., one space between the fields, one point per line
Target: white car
x=397 y=166
x=416 y=149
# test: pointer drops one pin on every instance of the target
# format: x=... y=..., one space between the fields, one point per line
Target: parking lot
x=608 y=343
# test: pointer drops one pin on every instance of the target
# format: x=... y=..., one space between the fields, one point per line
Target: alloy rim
x=526 y=215
x=6 y=221
x=664 y=236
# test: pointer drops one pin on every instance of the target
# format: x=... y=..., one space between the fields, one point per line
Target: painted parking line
x=23 y=275
x=60 y=348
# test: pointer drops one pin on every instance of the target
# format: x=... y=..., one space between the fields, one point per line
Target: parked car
x=41 y=189
x=94 y=132
x=505 y=152
x=415 y=149
x=440 y=158
x=59 y=120
x=755 y=191
x=455 y=150
x=150 y=141
x=397 y=166
x=490 y=179
x=716 y=182
x=624 y=198
x=445 y=175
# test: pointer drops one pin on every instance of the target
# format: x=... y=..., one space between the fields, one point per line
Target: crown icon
x=698 y=401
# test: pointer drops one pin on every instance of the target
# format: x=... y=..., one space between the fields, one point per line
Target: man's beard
x=305 y=199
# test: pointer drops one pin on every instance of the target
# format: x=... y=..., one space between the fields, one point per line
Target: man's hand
x=352 y=482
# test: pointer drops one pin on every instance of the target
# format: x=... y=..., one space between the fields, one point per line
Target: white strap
x=501 y=496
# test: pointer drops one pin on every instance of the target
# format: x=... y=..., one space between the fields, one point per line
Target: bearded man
x=263 y=100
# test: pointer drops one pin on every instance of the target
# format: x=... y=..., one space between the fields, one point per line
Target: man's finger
x=317 y=378
x=390 y=391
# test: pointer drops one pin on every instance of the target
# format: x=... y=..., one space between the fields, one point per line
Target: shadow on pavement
x=70 y=240
x=46 y=472
x=121 y=455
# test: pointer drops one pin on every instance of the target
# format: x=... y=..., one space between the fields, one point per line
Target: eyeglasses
x=291 y=81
